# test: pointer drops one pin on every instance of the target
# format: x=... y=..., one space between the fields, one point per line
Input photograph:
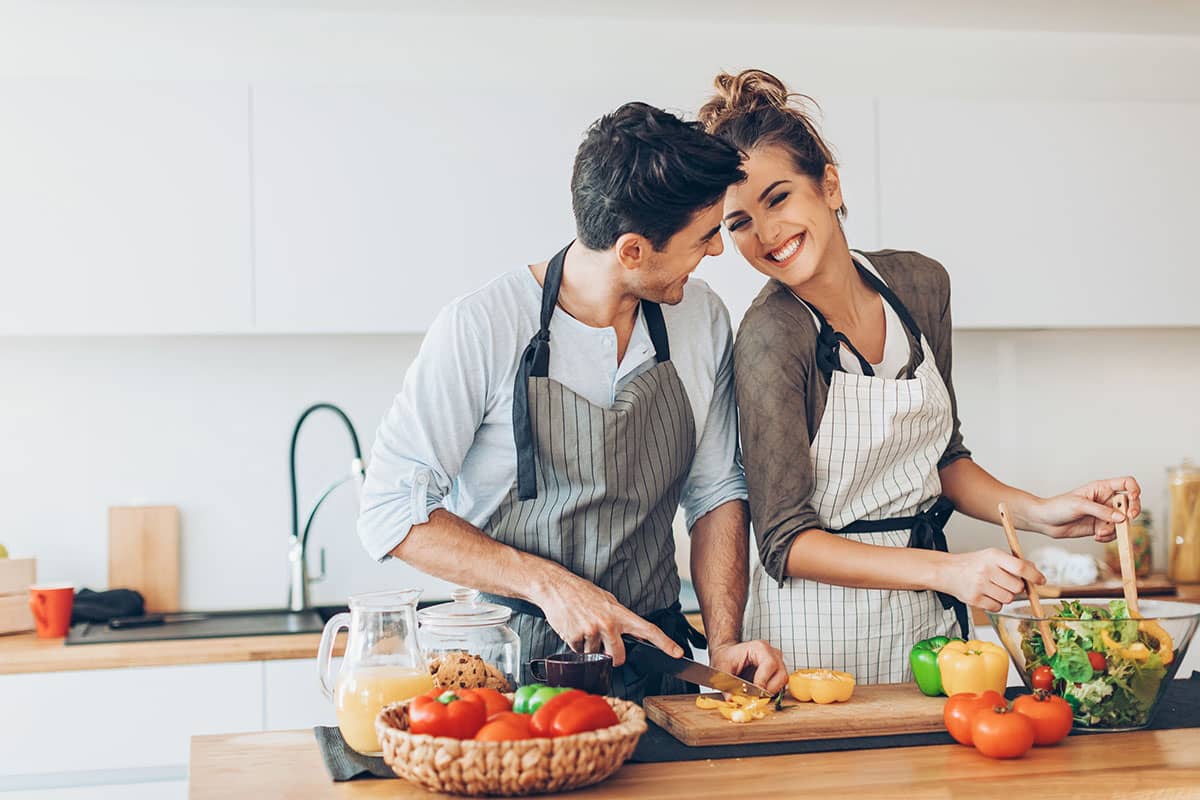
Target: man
x=555 y=419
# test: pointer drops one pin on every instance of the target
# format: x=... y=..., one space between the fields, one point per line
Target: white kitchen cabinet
x=1048 y=214
x=292 y=696
x=374 y=206
x=122 y=718
x=125 y=207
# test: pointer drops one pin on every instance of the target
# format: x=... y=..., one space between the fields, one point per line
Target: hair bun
x=749 y=90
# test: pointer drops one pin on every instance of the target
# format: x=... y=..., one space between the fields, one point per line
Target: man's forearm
x=720 y=563
x=450 y=548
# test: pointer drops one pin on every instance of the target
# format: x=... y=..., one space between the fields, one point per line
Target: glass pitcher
x=383 y=662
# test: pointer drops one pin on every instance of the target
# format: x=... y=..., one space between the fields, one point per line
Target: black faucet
x=299 y=580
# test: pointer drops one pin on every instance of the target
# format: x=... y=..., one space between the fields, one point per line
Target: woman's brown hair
x=754 y=108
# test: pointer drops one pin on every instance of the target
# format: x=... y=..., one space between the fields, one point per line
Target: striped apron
x=597 y=489
x=874 y=460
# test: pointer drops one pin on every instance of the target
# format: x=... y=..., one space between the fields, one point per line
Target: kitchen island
x=286 y=764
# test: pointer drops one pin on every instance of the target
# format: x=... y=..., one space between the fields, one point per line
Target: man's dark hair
x=642 y=170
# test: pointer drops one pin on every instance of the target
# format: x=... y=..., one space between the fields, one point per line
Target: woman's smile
x=786 y=253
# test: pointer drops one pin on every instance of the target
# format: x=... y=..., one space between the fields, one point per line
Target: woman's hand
x=987 y=578
x=1085 y=511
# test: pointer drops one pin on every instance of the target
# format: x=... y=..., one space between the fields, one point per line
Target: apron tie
x=928 y=533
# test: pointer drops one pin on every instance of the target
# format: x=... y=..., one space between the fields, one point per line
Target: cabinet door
x=848 y=125
x=375 y=206
x=124 y=208
x=122 y=718
x=1048 y=214
x=292 y=696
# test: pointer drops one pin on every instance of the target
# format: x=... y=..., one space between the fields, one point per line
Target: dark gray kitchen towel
x=344 y=764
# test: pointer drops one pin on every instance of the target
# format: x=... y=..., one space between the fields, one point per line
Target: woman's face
x=780 y=220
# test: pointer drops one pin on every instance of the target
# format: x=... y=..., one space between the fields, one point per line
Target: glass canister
x=1183 y=523
x=1141 y=535
x=468 y=642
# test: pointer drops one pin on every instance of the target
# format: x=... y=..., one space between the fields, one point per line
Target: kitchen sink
x=210 y=625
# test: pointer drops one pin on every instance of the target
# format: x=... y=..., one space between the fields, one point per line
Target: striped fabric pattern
x=874 y=456
x=608 y=481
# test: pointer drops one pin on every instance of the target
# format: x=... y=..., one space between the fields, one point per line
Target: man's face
x=667 y=270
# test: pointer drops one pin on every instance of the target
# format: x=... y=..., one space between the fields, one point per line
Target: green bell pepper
x=529 y=699
x=923 y=659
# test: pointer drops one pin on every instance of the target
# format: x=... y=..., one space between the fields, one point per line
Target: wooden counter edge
x=25 y=653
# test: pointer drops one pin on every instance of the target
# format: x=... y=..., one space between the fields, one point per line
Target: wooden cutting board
x=143 y=553
x=879 y=710
x=1153 y=584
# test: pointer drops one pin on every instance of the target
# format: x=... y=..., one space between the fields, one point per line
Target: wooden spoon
x=1035 y=602
x=1120 y=502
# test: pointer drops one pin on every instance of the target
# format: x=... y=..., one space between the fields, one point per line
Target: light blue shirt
x=447 y=440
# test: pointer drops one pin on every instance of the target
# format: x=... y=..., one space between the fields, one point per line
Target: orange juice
x=363 y=691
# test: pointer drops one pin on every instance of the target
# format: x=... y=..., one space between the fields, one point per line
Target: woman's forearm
x=829 y=558
x=976 y=493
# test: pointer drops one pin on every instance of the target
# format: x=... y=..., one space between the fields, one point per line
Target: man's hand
x=767 y=662
x=590 y=619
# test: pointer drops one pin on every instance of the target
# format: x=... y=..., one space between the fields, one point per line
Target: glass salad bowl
x=1113 y=670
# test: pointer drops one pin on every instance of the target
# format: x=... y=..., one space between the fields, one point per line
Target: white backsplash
x=204 y=423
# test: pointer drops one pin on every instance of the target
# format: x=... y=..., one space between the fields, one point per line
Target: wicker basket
x=520 y=767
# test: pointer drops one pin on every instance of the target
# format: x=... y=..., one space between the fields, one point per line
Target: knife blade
x=646 y=657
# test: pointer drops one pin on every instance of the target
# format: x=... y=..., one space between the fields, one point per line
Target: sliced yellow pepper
x=738 y=709
x=821 y=686
x=1166 y=646
x=973 y=666
x=1138 y=651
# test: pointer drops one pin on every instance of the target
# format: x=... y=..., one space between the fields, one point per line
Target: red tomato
x=585 y=714
x=1050 y=715
x=1000 y=733
x=492 y=700
x=505 y=727
x=961 y=708
x=1097 y=661
x=543 y=719
x=1043 y=678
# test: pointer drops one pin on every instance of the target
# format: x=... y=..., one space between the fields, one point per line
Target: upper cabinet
x=1048 y=214
x=376 y=205
x=124 y=208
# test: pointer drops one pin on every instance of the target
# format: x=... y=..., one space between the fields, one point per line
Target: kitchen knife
x=645 y=657
x=117 y=623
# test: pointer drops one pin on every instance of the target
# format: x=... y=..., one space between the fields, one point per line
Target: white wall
x=203 y=422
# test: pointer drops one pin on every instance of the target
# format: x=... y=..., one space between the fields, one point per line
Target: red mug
x=51 y=606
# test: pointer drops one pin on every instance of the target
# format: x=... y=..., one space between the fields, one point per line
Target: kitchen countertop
x=1119 y=765
x=24 y=652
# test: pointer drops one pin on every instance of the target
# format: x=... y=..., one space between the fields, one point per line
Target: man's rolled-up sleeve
x=426 y=433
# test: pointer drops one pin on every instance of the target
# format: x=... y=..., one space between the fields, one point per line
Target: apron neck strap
x=829 y=341
x=535 y=363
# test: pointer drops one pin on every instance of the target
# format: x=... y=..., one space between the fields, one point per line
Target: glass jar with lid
x=451 y=633
x=1183 y=523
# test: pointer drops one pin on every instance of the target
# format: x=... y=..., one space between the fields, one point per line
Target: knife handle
x=117 y=623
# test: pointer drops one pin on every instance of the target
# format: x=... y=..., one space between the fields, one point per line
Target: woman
x=850 y=434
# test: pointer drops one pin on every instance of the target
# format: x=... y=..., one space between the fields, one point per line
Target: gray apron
x=597 y=489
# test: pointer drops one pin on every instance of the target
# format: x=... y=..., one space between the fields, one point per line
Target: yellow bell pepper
x=973 y=666
x=738 y=708
x=1138 y=651
x=821 y=686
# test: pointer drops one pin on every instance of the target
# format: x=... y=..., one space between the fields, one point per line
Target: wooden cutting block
x=879 y=710
x=15 y=616
x=143 y=553
x=17 y=575
x=1154 y=584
